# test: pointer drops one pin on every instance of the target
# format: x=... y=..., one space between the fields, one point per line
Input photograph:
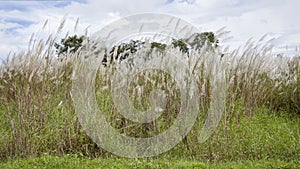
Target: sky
x=277 y=19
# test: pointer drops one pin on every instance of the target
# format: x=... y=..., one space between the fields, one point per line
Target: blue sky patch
x=24 y=23
x=8 y=6
x=27 y=5
x=169 y=1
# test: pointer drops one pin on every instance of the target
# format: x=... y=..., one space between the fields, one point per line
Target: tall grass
x=37 y=114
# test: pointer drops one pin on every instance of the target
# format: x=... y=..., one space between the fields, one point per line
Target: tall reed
x=37 y=113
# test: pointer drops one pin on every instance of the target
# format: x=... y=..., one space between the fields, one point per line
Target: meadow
x=260 y=126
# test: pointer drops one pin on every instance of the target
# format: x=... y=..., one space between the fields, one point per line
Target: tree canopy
x=196 y=41
x=71 y=44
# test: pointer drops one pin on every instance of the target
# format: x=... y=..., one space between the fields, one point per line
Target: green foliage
x=198 y=40
x=121 y=51
x=181 y=44
x=159 y=46
x=69 y=44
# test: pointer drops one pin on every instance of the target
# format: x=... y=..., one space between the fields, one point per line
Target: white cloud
x=244 y=18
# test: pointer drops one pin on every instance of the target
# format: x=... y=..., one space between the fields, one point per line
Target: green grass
x=74 y=162
x=263 y=136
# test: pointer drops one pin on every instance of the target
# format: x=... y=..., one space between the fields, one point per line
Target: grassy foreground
x=69 y=161
x=262 y=141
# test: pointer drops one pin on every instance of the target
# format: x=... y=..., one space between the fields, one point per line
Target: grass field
x=260 y=126
x=74 y=162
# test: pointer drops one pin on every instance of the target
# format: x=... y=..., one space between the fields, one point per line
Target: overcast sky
x=279 y=19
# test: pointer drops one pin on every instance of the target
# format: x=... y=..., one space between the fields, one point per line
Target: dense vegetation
x=261 y=121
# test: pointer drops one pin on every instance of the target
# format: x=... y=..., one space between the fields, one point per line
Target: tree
x=122 y=51
x=159 y=46
x=198 y=40
x=181 y=44
x=69 y=44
